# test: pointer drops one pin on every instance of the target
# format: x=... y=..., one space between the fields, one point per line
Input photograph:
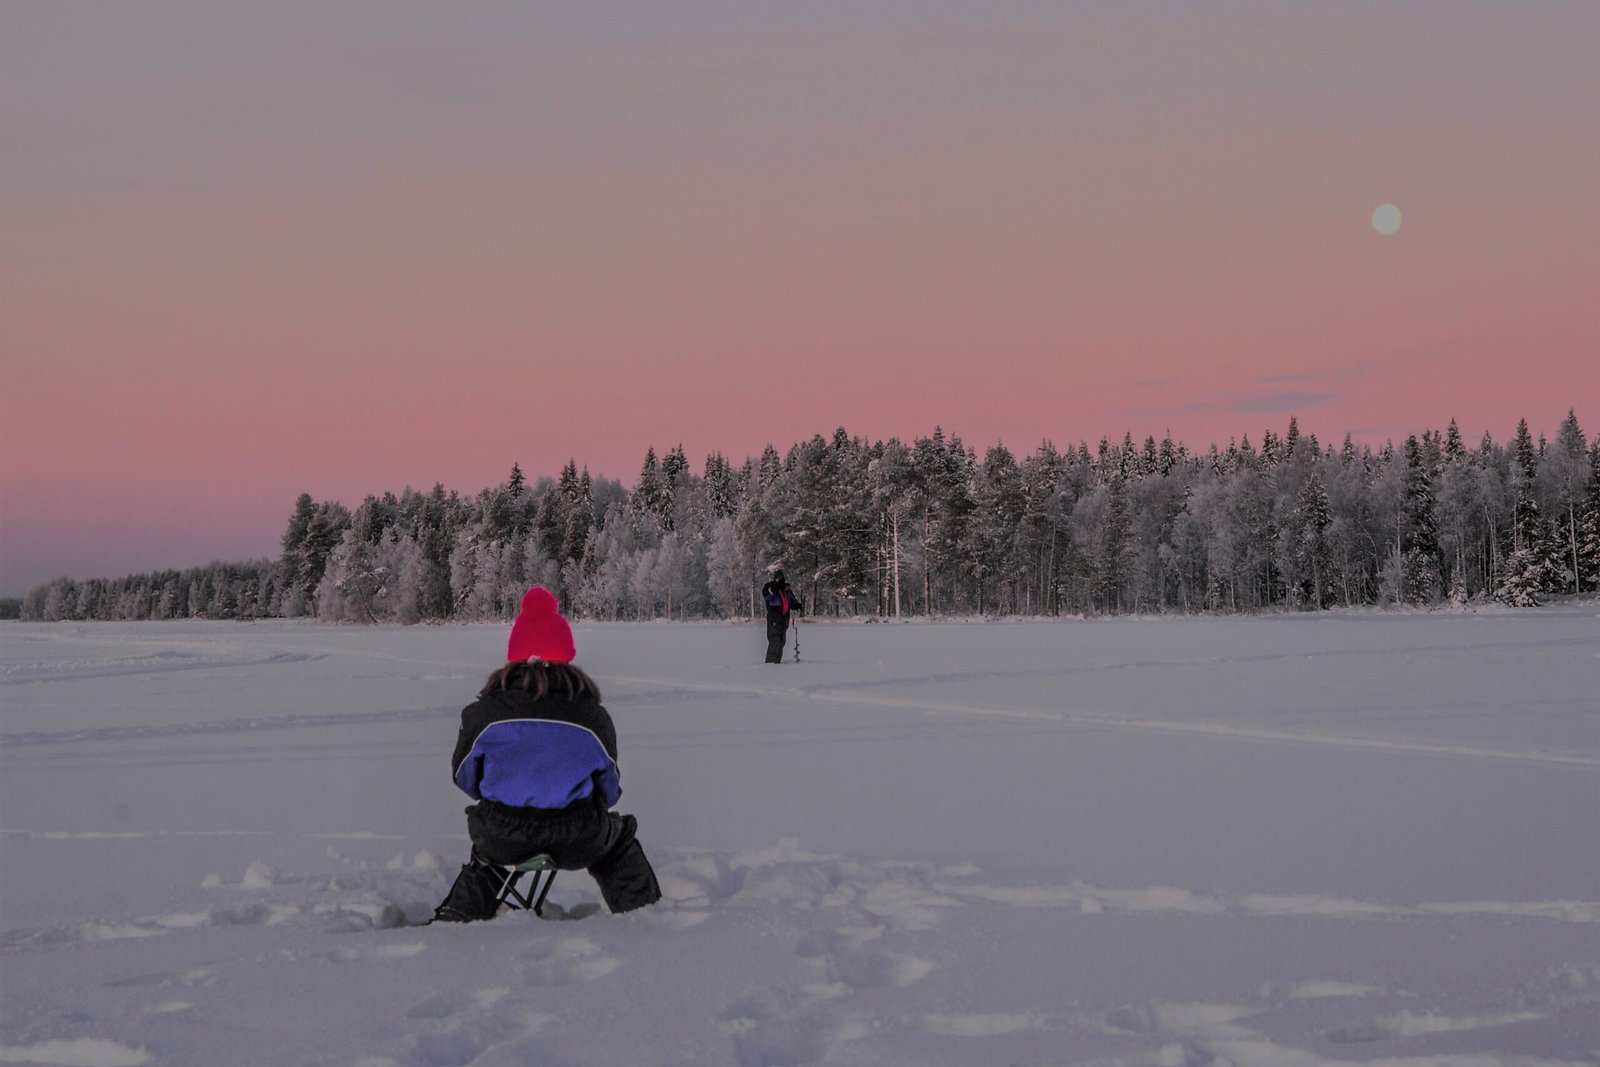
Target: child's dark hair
x=541 y=678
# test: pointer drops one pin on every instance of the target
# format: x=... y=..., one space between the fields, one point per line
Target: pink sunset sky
x=250 y=251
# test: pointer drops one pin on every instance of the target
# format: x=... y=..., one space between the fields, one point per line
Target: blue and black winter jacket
x=536 y=753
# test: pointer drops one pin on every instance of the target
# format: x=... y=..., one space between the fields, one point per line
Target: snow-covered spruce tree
x=353 y=582
x=496 y=514
x=1528 y=570
x=722 y=491
x=1457 y=506
x=168 y=604
x=1589 y=525
x=860 y=570
x=754 y=529
x=1522 y=579
x=577 y=499
x=306 y=561
x=838 y=508
x=429 y=521
x=546 y=537
x=1156 y=501
x=249 y=598
x=1113 y=559
x=87 y=600
x=650 y=500
x=512 y=574
x=579 y=558
x=1226 y=536
x=359 y=582
x=1564 y=474
x=474 y=574
x=1041 y=534
x=675 y=482
x=1419 y=539
x=200 y=592
x=988 y=548
x=1183 y=556
x=296 y=601
x=942 y=466
x=59 y=598
x=1524 y=476
x=655 y=501
x=801 y=500
x=1343 y=480
x=1070 y=583
x=1313 y=560
x=1300 y=459
x=1257 y=500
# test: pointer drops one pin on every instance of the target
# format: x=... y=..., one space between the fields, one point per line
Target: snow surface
x=1299 y=841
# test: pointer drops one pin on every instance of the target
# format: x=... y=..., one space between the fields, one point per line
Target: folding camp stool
x=543 y=869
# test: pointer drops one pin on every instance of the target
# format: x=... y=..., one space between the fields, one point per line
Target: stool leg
x=508 y=890
x=549 y=880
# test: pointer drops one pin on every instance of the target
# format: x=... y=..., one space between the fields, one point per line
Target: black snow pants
x=582 y=836
x=777 y=630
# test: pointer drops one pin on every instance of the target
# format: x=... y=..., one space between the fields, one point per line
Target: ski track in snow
x=824 y=694
x=843 y=937
x=849 y=695
x=164 y=662
x=22 y=738
x=1256 y=658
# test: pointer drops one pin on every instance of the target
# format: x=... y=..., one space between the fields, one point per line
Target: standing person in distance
x=537 y=751
x=781 y=603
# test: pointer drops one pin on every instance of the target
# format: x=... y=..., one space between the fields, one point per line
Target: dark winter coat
x=780 y=601
x=544 y=753
x=544 y=774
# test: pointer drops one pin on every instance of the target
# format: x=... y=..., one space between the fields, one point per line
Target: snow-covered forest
x=931 y=528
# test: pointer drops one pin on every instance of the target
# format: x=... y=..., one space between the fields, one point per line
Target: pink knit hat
x=540 y=633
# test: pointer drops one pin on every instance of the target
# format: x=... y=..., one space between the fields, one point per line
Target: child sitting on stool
x=538 y=753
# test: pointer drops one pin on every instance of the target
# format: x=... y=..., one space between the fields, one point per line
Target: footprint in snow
x=455 y=1002
x=376 y=953
x=880 y=970
x=570 y=961
x=459 y=1026
x=771 y=1026
x=187 y=978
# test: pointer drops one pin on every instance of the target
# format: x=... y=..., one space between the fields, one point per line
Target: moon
x=1386 y=219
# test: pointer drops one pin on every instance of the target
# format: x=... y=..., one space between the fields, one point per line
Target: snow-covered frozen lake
x=1298 y=841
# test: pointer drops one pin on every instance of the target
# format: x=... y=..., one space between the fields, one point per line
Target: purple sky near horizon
x=251 y=251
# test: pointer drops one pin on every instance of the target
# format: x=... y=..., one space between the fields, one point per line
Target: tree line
x=890 y=528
